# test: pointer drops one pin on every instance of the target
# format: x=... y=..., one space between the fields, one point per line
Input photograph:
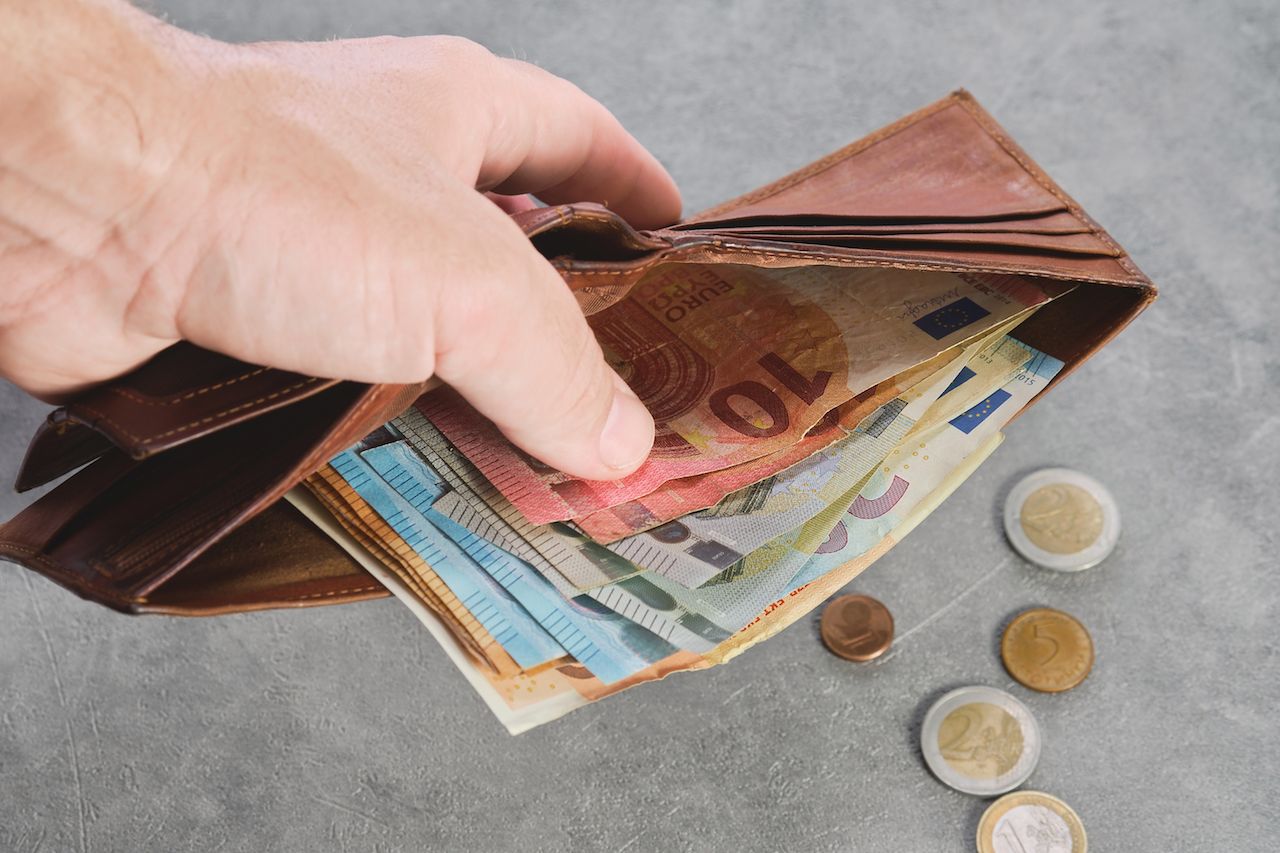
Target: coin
x=980 y=740
x=1062 y=519
x=857 y=627
x=1030 y=820
x=1047 y=650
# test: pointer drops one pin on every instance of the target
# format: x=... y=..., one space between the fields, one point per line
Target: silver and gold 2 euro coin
x=1062 y=519
x=980 y=740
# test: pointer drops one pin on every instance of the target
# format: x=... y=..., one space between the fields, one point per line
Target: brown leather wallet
x=178 y=507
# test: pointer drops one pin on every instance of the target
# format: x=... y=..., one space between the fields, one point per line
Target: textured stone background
x=347 y=728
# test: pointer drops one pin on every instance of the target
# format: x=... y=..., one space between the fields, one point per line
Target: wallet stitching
x=197 y=423
x=1048 y=184
x=280 y=598
x=804 y=253
x=171 y=401
x=72 y=577
x=332 y=593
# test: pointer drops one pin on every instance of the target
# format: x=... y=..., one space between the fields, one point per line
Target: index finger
x=549 y=138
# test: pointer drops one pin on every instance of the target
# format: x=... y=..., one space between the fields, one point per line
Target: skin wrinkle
x=40 y=289
x=152 y=281
x=55 y=238
x=18 y=240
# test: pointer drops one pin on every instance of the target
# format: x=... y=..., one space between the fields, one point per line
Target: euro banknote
x=520 y=635
x=650 y=601
x=872 y=507
x=807 y=418
x=610 y=646
x=524 y=700
x=520 y=700
x=880 y=504
x=747 y=371
x=685 y=495
x=865 y=514
x=714 y=612
x=697 y=547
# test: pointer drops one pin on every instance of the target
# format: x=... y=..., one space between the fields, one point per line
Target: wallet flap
x=122 y=527
x=940 y=163
x=948 y=164
x=181 y=394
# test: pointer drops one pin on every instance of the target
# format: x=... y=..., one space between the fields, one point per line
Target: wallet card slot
x=1061 y=222
x=1078 y=244
x=585 y=230
x=276 y=559
x=854 y=219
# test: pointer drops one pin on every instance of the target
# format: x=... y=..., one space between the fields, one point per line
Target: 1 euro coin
x=1031 y=821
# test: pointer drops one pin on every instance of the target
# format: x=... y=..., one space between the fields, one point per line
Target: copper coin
x=1047 y=650
x=857 y=627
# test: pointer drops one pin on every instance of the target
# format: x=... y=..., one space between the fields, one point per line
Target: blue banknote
x=610 y=646
x=496 y=609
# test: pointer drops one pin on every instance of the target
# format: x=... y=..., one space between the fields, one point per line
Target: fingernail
x=627 y=437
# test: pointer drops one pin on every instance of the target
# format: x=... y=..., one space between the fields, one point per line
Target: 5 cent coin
x=1047 y=650
x=857 y=627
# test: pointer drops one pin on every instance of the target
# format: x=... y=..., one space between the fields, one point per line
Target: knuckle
x=470 y=328
x=457 y=50
x=583 y=396
x=412 y=355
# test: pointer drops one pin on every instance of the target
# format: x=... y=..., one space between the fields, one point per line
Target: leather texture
x=178 y=504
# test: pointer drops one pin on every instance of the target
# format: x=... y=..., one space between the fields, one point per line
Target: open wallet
x=204 y=485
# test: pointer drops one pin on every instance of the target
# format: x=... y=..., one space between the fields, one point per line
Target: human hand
x=312 y=207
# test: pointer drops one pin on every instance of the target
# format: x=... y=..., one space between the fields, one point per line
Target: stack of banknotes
x=807 y=419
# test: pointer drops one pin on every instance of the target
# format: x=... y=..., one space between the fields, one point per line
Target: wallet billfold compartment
x=178 y=505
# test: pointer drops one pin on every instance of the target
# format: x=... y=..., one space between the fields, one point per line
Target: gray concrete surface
x=347 y=728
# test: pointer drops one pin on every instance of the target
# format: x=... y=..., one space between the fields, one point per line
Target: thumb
x=513 y=341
